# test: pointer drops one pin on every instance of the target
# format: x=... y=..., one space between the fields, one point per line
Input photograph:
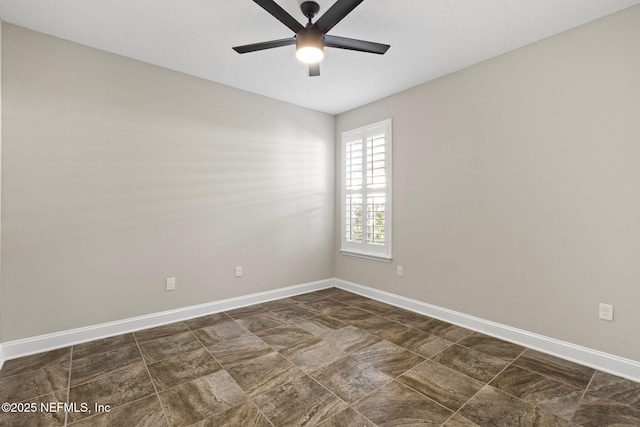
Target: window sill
x=373 y=257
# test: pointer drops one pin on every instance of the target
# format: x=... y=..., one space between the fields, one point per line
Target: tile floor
x=329 y=358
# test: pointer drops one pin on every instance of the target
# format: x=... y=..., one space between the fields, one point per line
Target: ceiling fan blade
x=314 y=69
x=264 y=45
x=354 y=44
x=280 y=14
x=335 y=14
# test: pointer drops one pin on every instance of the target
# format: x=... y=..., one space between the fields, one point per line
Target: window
x=366 y=191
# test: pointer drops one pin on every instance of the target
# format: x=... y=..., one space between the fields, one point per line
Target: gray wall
x=117 y=174
x=516 y=188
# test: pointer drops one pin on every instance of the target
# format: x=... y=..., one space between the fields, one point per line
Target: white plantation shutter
x=366 y=191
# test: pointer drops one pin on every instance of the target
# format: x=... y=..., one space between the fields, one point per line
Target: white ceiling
x=428 y=38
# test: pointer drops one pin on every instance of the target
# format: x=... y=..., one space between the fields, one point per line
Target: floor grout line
x=66 y=415
x=153 y=384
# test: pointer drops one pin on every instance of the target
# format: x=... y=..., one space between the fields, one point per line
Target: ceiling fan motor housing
x=310 y=37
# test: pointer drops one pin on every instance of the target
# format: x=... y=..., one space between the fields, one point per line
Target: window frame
x=364 y=249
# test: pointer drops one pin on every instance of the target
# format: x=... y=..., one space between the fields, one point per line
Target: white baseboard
x=599 y=360
x=24 y=347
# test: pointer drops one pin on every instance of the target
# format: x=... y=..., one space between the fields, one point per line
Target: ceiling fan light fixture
x=310 y=46
x=309 y=54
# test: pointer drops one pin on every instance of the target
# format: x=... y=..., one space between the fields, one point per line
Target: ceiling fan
x=310 y=40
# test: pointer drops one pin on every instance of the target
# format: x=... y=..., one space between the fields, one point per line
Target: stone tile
x=160 y=332
x=595 y=411
x=279 y=303
x=320 y=325
x=251 y=310
x=335 y=293
x=263 y=373
x=145 y=412
x=296 y=313
x=555 y=397
x=354 y=299
x=350 y=339
x=449 y=388
x=380 y=326
x=615 y=388
x=127 y=385
x=297 y=403
x=388 y=358
x=555 y=368
x=327 y=292
x=34 y=382
x=102 y=345
x=350 y=379
x=245 y=415
x=238 y=350
x=444 y=330
x=183 y=368
x=349 y=417
x=477 y=365
x=308 y=297
x=313 y=354
x=108 y=363
x=35 y=362
x=208 y=320
x=348 y=359
x=284 y=336
x=348 y=314
x=459 y=421
x=422 y=343
x=325 y=305
x=164 y=348
x=219 y=332
x=492 y=346
x=492 y=407
x=38 y=417
x=406 y=317
x=376 y=307
x=201 y=398
x=395 y=404
x=262 y=321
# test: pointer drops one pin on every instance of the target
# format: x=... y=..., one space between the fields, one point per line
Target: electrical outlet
x=400 y=271
x=238 y=271
x=171 y=283
x=606 y=312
